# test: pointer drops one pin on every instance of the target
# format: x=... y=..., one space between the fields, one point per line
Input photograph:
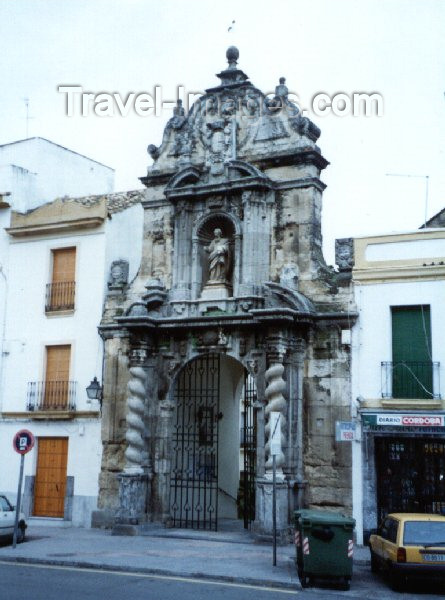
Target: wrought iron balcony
x=60 y=296
x=51 y=395
x=411 y=379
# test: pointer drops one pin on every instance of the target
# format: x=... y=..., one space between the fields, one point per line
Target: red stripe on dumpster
x=350 y=548
x=297 y=538
x=305 y=545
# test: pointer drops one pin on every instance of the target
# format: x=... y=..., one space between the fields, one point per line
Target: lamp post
x=95 y=391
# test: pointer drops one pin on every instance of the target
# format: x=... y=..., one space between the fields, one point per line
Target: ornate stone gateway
x=233 y=315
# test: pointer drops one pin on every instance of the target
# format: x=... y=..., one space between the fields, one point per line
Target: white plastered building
x=57 y=245
x=398 y=355
x=60 y=255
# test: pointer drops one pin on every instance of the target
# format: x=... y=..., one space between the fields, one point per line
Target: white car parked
x=7 y=520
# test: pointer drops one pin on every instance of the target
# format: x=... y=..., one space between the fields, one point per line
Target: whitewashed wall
x=28 y=331
x=373 y=334
x=53 y=171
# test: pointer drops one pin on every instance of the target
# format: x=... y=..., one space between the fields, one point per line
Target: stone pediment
x=230 y=122
x=237 y=174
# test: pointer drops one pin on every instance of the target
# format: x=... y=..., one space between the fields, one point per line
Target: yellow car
x=409 y=545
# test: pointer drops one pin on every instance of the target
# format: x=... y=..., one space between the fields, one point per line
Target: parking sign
x=23 y=441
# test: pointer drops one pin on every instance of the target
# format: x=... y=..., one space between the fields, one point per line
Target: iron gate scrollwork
x=194 y=481
x=248 y=445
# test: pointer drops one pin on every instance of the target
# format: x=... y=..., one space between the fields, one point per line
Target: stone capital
x=276 y=348
x=139 y=352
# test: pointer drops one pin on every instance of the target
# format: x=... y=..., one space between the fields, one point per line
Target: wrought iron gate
x=194 y=481
x=248 y=444
x=410 y=475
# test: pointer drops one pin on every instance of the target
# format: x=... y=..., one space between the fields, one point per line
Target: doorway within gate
x=214 y=441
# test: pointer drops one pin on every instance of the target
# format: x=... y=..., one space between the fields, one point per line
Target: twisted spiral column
x=276 y=402
x=135 y=420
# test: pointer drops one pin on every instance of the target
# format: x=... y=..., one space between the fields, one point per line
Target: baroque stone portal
x=233 y=315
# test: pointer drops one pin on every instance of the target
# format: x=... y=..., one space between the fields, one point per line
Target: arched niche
x=204 y=234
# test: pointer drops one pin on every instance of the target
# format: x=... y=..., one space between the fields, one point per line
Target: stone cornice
x=300 y=183
x=305 y=157
x=248 y=183
x=51 y=415
x=157 y=178
x=392 y=274
x=339 y=318
x=50 y=228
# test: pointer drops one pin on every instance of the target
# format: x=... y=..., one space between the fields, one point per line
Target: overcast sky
x=393 y=47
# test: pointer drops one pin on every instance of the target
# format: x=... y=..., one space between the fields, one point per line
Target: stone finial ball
x=232 y=54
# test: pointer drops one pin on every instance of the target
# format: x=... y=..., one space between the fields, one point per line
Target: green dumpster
x=324 y=546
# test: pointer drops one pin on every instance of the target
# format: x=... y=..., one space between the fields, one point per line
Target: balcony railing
x=411 y=379
x=60 y=296
x=51 y=395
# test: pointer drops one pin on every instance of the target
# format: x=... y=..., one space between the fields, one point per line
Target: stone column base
x=132 y=504
x=263 y=526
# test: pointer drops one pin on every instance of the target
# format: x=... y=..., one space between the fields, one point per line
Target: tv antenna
x=28 y=118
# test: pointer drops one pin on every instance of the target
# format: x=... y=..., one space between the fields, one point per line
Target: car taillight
x=401 y=555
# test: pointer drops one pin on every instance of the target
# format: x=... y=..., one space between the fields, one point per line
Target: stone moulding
x=60 y=227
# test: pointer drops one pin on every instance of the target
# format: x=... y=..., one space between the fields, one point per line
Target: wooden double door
x=50 y=482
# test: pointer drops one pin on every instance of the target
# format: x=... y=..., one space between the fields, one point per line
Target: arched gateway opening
x=214 y=444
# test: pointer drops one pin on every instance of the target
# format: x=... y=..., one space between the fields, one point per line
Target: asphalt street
x=19 y=581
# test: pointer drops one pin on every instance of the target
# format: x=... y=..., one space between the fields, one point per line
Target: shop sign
x=384 y=421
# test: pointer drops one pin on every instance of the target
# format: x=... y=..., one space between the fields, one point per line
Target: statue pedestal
x=132 y=500
x=263 y=514
x=215 y=291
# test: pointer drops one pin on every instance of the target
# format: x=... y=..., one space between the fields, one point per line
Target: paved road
x=21 y=581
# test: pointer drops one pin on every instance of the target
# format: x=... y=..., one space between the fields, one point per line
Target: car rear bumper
x=419 y=570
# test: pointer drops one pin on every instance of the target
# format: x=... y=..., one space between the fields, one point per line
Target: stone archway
x=213 y=444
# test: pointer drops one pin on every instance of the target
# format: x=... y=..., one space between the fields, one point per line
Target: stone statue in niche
x=118 y=277
x=218 y=251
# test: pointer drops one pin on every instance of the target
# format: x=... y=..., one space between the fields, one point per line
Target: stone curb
x=164 y=572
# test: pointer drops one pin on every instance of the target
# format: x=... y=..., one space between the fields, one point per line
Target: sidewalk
x=227 y=556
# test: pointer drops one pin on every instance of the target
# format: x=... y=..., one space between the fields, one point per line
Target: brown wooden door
x=62 y=283
x=57 y=377
x=50 y=483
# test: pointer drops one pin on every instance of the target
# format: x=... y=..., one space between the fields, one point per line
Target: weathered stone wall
x=114 y=409
x=327 y=400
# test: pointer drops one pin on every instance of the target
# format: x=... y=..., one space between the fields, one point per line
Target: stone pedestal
x=132 y=503
x=215 y=291
x=263 y=516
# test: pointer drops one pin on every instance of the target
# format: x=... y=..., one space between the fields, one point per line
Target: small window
x=4 y=504
x=392 y=531
x=389 y=530
x=61 y=291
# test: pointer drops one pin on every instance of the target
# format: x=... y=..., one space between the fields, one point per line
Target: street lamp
x=94 y=391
